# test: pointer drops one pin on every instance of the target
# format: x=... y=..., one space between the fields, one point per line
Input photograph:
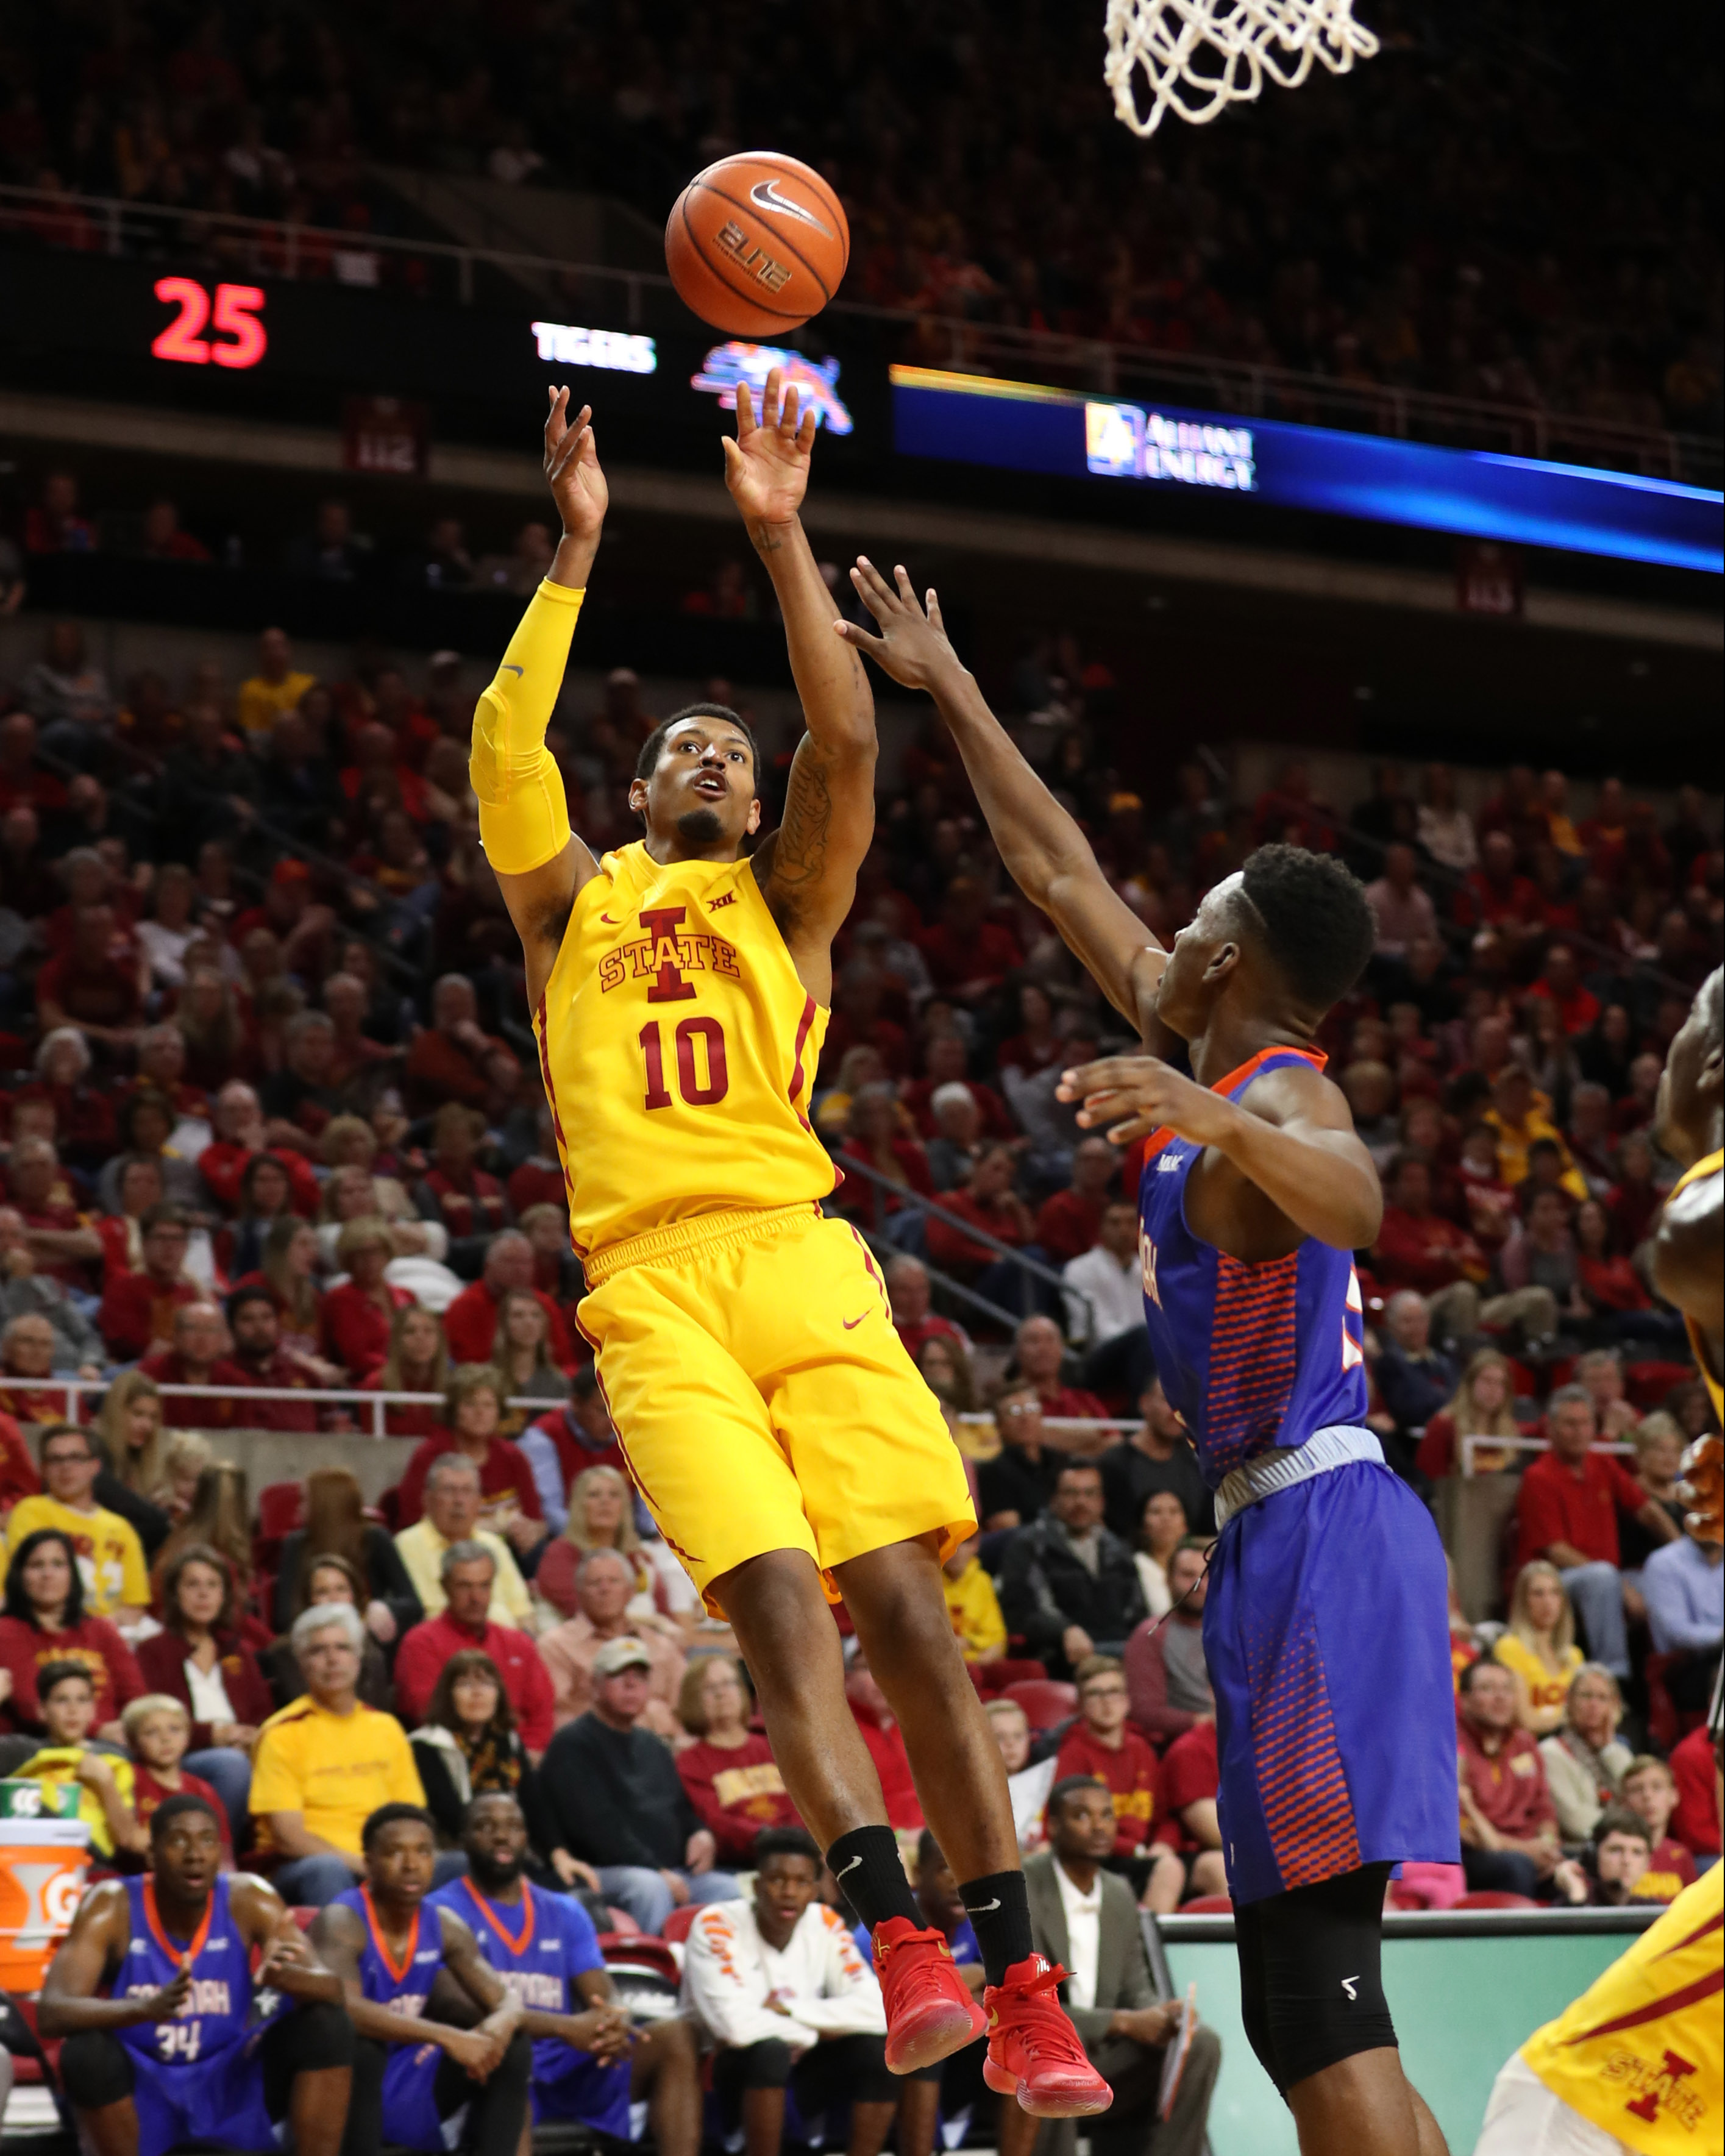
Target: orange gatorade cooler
x=44 y=1860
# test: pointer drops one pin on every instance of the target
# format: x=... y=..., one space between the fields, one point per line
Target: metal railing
x=75 y=1391
x=467 y=275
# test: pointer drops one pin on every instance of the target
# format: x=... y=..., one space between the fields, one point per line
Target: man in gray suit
x=1084 y=1918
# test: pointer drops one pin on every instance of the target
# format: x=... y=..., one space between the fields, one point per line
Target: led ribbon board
x=965 y=419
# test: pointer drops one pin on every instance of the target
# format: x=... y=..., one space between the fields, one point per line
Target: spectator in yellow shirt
x=1539 y=1650
x=326 y=1763
x=277 y=686
x=973 y=1606
x=106 y=1777
x=1521 y=1115
x=110 y=1557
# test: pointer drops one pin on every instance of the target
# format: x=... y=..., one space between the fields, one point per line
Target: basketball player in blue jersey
x=438 y=2086
x=1324 y=1624
x=169 y=2036
x=588 y=2061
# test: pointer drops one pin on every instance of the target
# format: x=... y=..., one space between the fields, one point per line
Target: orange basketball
x=756 y=243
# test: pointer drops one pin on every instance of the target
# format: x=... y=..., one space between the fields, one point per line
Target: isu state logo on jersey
x=664 y=953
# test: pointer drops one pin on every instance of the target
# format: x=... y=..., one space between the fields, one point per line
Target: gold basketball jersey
x=1639 y=2053
x=1710 y=1376
x=678 y=1048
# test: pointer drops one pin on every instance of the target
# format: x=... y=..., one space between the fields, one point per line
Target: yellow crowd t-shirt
x=974 y=1609
x=58 y=1763
x=335 y=1769
x=1544 y=1691
x=1640 y=2054
x=110 y=1557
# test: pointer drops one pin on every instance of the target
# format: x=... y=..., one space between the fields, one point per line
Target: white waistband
x=1285 y=1465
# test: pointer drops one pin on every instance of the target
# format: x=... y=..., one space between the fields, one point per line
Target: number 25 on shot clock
x=231 y=310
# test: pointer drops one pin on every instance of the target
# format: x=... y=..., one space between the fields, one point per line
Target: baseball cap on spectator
x=617 y=1655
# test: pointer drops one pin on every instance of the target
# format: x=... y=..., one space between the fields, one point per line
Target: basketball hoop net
x=1199 y=55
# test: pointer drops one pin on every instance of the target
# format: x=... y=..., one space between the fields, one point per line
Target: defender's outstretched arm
x=524 y=815
x=807 y=869
x=1047 y=855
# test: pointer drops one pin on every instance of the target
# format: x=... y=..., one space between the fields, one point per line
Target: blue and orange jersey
x=214 y=2014
x=404 y=1985
x=1251 y=1356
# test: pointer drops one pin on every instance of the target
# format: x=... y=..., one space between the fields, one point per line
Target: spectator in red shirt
x=28 y=1351
x=470 y=1322
x=874 y=1140
x=197 y=1357
x=1561 y=984
x=1166 y=1681
x=1650 y=1790
x=947 y=1063
x=44 y=1621
x=1190 y=1779
x=265 y=1364
x=1494 y=896
x=83 y=1114
x=1696 y=1821
x=138 y=1309
x=1100 y=1746
x=456 y=1191
x=1509 y=1824
x=240 y=1135
x=417 y=1362
x=94 y=986
x=359 y=1312
x=907 y=1290
x=1483 y=1406
x=968 y=957
x=509 y=1498
x=987 y=1202
x=469 y=1571
x=885 y=1742
x=729 y=1770
x=1418 y=1249
x=62 y=1241
x=580 y=1431
x=55 y=526
x=1566 y=1511
x=1070 y=1221
x=1634 y=1200
x=1039 y=1351
x=447 y=1061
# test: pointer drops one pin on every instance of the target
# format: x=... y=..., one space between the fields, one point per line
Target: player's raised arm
x=1046 y=855
x=807 y=869
x=524 y=816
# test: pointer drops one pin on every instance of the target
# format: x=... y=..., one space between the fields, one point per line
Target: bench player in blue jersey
x=590 y=2061
x=1324 y=1623
x=436 y=2085
x=169 y=2038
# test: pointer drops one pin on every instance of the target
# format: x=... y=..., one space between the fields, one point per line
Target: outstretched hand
x=767 y=466
x=912 y=646
x=572 y=469
x=1147 y=1095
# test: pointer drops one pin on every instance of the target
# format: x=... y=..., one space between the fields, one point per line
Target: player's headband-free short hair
x=1313 y=918
x=647 y=762
x=176 y=1807
x=1070 y=1786
x=788 y=1841
x=389 y=1815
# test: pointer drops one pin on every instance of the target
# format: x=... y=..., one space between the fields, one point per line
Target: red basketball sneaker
x=1033 y=2051
x=930 y=2012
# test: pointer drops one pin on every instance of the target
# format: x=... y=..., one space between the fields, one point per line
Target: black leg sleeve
x=364 y=2133
x=95 y=2069
x=311 y=2038
x=498 y=2110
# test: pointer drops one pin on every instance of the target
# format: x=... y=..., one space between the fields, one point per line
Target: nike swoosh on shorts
x=851 y=1324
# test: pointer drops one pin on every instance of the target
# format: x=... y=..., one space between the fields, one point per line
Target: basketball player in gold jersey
x=772 y=1420
x=1689 y=1244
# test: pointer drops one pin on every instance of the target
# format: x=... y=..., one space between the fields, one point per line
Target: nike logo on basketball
x=851 y=1324
x=505 y=667
x=1347 y=1984
x=765 y=195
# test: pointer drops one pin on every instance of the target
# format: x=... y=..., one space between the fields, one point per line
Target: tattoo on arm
x=800 y=854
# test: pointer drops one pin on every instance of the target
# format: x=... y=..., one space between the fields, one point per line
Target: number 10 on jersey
x=698 y=1046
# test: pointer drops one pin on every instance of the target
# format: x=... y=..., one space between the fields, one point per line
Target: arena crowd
x=1518 y=215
